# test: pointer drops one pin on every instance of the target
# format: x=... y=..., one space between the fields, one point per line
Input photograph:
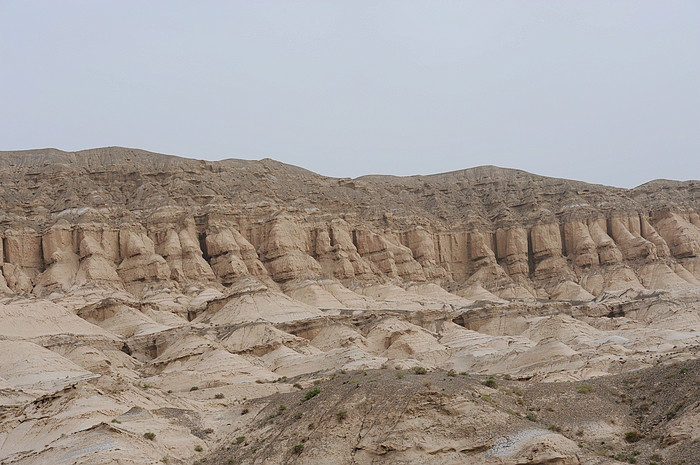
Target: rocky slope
x=130 y=278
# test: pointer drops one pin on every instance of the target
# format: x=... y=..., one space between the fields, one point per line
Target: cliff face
x=131 y=219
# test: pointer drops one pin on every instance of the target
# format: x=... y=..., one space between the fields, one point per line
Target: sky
x=601 y=91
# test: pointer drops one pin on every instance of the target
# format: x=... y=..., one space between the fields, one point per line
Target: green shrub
x=585 y=389
x=312 y=393
x=245 y=411
x=194 y=388
x=282 y=408
x=219 y=396
x=198 y=448
x=150 y=436
x=490 y=382
x=672 y=413
x=419 y=370
x=240 y=439
x=399 y=375
x=298 y=449
x=341 y=415
x=452 y=373
x=633 y=436
x=531 y=416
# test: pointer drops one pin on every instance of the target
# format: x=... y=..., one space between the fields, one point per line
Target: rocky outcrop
x=509 y=233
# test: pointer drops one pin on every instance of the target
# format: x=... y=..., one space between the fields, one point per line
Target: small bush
x=240 y=439
x=198 y=448
x=672 y=413
x=150 y=436
x=341 y=415
x=298 y=415
x=219 y=396
x=208 y=431
x=419 y=370
x=194 y=388
x=490 y=382
x=298 y=449
x=531 y=416
x=555 y=428
x=399 y=375
x=452 y=373
x=585 y=389
x=312 y=393
x=114 y=420
x=244 y=411
x=633 y=436
x=282 y=408
x=297 y=386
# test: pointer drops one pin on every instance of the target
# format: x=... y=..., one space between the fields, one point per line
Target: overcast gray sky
x=601 y=91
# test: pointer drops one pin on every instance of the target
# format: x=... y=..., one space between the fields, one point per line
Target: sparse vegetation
x=633 y=436
x=452 y=373
x=298 y=449
x=419 y=370
x=208 y=431
x=245 y=411
x=194 y=388
x=341 y=415
x=282 y=408
x=219 y=396
x=673 y=411
x=148 y=435
x=312 y=393
x=114 y=420
x=531 y=416
x=198 y=448
x=240 y=439
x=490 y=382
x=399 y=375
x=585 y=389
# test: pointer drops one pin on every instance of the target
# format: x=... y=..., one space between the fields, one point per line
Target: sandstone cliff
x=132 y=219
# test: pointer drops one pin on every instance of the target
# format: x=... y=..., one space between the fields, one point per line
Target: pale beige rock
x=579 y=244
x=682 y=237
x=60 y=257
x=626 y=231
x=608 y=253
x=284 y=250
x=140 y=262
x=512 y=251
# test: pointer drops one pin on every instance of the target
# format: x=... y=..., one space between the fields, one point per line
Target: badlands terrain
x=155 y=309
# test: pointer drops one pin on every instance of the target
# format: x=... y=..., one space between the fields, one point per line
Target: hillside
x=146 y=293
